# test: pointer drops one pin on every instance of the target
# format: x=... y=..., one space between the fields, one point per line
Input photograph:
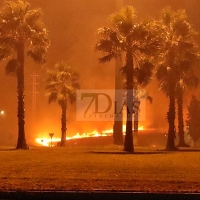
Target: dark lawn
x=105 y=168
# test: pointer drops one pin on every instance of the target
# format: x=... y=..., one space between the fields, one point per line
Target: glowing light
x=47 y=141
x=2 y=112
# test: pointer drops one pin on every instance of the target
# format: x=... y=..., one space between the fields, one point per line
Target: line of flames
x=51 y=141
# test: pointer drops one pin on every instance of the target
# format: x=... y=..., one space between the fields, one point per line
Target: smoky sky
x=72 y=27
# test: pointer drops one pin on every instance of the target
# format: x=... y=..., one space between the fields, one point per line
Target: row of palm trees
x=22 y=32
x=167 y=47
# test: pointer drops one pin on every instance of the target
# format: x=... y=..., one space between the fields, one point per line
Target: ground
x=99 y=168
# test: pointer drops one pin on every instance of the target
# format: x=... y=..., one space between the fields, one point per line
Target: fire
x=49 y=142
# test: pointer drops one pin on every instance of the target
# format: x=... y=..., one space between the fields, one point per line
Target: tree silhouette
x=175 y=70
x=21 y=32
x=138 y=41
x=193 y=119
x=62 y=83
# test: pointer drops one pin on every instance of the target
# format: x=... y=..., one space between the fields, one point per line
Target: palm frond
x=17 y=22
x=62 y=82
x=106 y=58
x=150 y=99
x=104 y=45
x=162 y=72
x=191 y=80
x=6 y=51
x=123 y=70
x=52 y=96
x=167 y=16
x=145 y=72
x=124 y=20
x=104 y=31
x=11 y=67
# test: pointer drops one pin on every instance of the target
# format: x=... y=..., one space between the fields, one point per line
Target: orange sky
x=72 y=25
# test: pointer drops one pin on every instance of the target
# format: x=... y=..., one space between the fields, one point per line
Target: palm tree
x=143 y=72
x=118 y=119
x=167 y=83
x=193 y=119
x=138 y=96
x=135 y=39
x=188 y=60
x=62 y=83
x=175 y=70
x=189 y=80
x=21 y=32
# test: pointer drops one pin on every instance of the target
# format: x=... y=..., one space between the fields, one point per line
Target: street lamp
x=2 y=112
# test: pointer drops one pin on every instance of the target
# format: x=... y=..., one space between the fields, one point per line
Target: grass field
x=105 y=168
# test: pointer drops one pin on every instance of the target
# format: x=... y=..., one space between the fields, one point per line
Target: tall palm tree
x=135 y=39
x=143 y=72
x=175 y=69
x=62 y=83
x=167 y=83
x=187 y=79
x=21 y=32
x=193 y=119
x=189 y=57
x=190 y=80
x=141 y=94
x=118 y=119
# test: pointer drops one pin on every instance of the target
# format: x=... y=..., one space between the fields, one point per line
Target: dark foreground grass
x=99 y=169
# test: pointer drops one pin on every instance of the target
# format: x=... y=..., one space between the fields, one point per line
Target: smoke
x=72 y=26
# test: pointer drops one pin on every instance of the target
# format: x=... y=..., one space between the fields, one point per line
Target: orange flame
x=48 y=142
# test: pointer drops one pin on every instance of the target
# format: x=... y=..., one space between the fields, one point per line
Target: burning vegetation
x=52 y=141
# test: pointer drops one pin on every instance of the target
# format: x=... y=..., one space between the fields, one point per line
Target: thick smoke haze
x=72 y=26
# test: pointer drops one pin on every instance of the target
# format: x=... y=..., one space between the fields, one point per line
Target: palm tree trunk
x=135 y=135
x=118 y=132
x=171 y=119
x=128 y=143
x=21 y=143
x=180 y=119
x=63 y=124
x=118 y=116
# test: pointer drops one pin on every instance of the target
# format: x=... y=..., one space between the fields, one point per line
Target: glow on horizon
x=2 y=112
